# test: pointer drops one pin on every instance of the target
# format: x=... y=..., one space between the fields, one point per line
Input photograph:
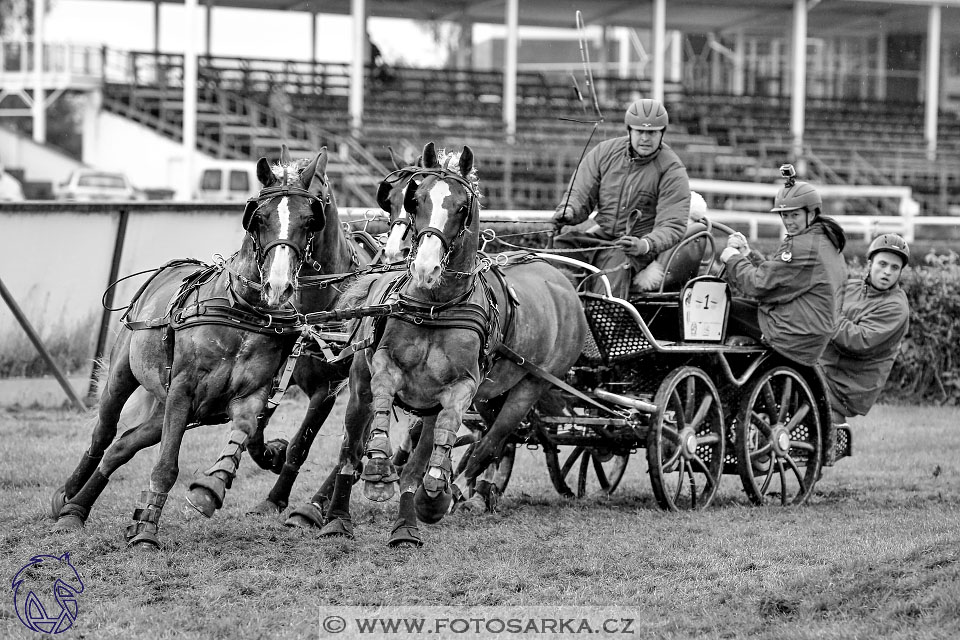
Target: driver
x=641 y=192
x=873 y=320
x=792 y=299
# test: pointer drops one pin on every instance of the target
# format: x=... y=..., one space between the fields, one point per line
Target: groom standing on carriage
x=641 y=192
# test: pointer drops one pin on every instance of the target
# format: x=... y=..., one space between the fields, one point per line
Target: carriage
x=662 y=372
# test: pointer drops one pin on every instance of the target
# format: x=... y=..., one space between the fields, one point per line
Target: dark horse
x=459 y=327
x=206 y=344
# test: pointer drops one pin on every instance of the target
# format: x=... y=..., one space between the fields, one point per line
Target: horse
x=213 y=340
x=458 y=335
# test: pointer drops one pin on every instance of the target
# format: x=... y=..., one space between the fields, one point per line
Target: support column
x=880 y=92
x=798 y=92
x=189 y=99
x=465 y=51
x=39 y=106
x=313 y=36
x=358 y=10
x=739 y=41
x=156 y=26
x=676 y=57
x=658 y=35
x=208 y=28
x=932 y=99
x=511 y=43
x=624 y=62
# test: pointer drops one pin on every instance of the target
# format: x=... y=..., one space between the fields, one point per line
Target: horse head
x=390 y=196
x=283 y=218
x=444 y=211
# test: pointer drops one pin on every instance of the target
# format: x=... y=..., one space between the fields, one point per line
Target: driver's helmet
x=647 y=114
x=795 y=195
x=890 y=242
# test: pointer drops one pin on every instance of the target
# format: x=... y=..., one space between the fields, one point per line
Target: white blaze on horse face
x=280 y=278
x=396 y=241
x=426 y=266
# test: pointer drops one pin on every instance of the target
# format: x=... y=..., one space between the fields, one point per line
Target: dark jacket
x=798 y=290
x=859 y=358
x=643 y=197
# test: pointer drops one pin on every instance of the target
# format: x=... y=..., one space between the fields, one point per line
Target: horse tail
x=138 y=408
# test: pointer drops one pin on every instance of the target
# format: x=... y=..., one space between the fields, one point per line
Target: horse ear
x=264 y=173
x=410 y=197
x=466 y=161
x=429 y=156
x=394 y=158
x=285 y=158
x=306 y=176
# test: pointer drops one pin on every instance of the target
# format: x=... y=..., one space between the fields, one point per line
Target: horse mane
x=451 y=160
x=355 y=294
x=290 y=172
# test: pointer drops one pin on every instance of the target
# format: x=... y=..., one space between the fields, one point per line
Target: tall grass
x=875 y=554
x=70 y=347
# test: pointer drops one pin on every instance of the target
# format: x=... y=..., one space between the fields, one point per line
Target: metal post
x=38 y=344
x=108 y=301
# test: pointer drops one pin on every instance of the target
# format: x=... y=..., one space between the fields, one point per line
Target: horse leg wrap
x=229 y=460
x=88 y=464
x=146 y=519
x=80 y=504
x=440 y=468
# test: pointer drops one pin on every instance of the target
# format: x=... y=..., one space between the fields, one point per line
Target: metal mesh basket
x=615 y=332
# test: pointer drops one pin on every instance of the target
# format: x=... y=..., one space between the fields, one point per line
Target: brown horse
x=206 y=344
x=459 y=328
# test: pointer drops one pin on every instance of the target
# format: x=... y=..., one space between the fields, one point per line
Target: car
x=93 y=185
x=227 y=181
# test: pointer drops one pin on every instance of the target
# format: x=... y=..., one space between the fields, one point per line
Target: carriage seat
x=675 y=266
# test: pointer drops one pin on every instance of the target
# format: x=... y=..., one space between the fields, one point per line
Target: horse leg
x=321 y=403
x=269 y=456
x=405 y=532
x=73 y=513
x=146 y=516
x=206 y=492
x=410 y=438
x=356 y=421
x=519 y=401
x=435 y=495
x=119 y=386
x=379 y=474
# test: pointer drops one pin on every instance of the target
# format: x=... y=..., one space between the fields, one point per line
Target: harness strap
x=540 y=372
x=282 y=382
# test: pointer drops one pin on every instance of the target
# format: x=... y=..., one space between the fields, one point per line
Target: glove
x=739 y=242
x=563 y=215
x=633 y=246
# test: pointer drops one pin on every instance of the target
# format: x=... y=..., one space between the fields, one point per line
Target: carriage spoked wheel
x=599 y=473
x=493 y=483
x=686 y=441
x=778 y=439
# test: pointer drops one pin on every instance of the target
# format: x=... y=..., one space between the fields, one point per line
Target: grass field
x=875 y=554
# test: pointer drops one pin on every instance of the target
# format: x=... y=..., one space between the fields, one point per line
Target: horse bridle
x=472 y=206
x=269 y=193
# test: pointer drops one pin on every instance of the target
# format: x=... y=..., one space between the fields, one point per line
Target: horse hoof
x=337 y=528
x=379 y=491
x=57 y=500
x=405 y=536
x=308 y=516
x=431 y=509
x=474 y=504
x=69 y=522
x=145 y=541
x=203 y=501
x=266 y=508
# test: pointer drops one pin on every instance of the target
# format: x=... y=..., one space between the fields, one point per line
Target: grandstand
x=730 y=119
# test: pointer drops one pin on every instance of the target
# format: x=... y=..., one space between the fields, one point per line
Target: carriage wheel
x=686 y=440
x=503 y=468
x=778 y=439
x=600 y=470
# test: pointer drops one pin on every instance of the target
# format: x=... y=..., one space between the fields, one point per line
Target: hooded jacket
x=798 y=290
x=859 y=358
x=646 y=197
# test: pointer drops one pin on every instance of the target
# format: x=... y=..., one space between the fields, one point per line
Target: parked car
x=91 y=185
x=227 y=181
